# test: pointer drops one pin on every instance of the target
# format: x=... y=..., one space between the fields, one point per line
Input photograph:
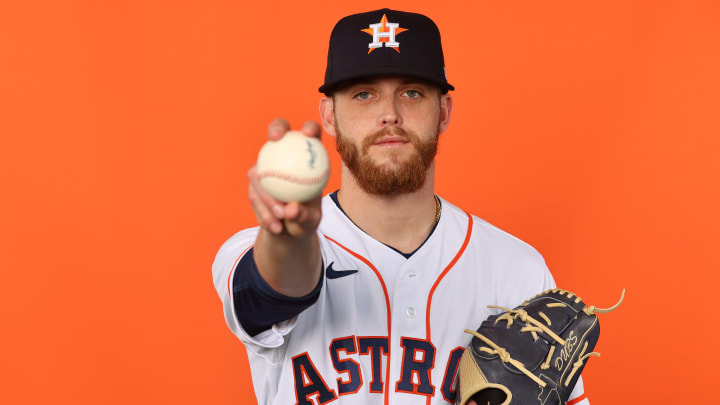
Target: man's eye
x=363 y=95
x=413 y=93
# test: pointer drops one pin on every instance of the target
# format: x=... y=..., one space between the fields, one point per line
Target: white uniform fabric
x=418 y=308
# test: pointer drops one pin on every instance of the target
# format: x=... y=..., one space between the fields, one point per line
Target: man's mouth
x=391 y=140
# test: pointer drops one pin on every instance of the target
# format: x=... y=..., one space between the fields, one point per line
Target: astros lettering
x=418 y=360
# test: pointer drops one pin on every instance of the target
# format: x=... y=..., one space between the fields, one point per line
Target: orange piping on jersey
x=386 y=385
x=234 y=267
x=578 y=399
x=447 y=269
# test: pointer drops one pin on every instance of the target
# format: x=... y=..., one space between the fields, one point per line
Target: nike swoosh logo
x=333 y=274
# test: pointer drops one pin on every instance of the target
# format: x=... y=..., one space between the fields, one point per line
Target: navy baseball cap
x=385 y=42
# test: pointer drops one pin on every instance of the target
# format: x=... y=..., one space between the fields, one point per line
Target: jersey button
x=410 y=312
x=411 y=275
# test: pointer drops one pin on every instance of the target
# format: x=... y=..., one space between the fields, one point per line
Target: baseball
x=294 y=168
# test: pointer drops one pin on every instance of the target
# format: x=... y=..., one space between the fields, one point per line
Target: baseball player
x=368 y=304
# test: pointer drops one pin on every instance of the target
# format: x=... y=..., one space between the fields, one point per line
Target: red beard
x=398 y=177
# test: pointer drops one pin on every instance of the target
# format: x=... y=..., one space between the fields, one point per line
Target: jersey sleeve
x=536 y=276
x=257 y=305
x=577 y=396
x=521 y=271
x=223 y=270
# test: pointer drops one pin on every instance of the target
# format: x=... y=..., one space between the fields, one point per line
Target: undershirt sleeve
x=257 y=305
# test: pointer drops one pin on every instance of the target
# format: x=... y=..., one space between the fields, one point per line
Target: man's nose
x=390 y=114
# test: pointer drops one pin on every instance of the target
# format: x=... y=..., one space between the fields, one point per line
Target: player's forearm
x=290 y=265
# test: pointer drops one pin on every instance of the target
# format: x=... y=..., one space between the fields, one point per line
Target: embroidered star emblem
x=384 y=33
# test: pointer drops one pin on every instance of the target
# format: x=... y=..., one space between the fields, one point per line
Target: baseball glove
x=532 y=354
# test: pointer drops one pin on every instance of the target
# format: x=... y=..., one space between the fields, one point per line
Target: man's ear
x=327 y=115
x=446 y=107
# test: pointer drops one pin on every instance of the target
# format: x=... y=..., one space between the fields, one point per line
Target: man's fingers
x=277 y=128
x=296 y=218
x=292 y=211
x=276 y=207
x=311 y=128
x=301 y=219
x=265 y=218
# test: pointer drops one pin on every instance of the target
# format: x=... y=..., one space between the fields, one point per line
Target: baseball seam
x=294 y=179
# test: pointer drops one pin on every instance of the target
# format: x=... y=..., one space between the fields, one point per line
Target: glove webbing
x=505 y=356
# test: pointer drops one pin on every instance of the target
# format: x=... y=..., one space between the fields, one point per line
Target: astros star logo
x=384 y=33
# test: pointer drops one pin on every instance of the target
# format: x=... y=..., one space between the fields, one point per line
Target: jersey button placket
x=410 y=310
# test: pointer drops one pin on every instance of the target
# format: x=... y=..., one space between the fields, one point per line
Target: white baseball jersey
x=385 y=329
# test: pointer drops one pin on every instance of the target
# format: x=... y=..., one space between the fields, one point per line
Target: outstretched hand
x=295 y=219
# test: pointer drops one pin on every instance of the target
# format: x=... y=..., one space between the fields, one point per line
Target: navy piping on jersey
x=406 y=255
x=257 y=305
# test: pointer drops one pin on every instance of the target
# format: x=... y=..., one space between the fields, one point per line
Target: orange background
x=588 y=129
